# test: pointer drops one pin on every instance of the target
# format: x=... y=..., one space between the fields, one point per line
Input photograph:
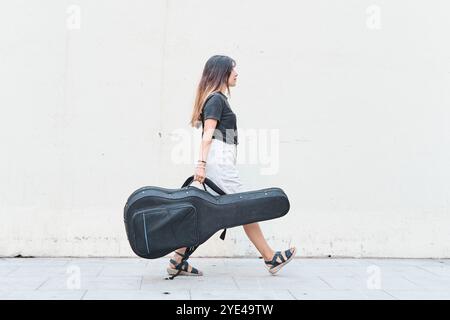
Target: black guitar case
x=159 y=220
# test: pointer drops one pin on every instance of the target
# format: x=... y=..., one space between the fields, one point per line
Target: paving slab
x=224 y=278
x=136 y=295
x=236 y=294
x=341 y=295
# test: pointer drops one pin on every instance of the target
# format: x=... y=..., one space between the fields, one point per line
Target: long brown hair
x=215 y=75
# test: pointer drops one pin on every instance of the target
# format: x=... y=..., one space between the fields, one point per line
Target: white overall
x=221 y=167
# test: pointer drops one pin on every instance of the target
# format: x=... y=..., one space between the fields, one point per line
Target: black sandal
x=183 y=267
x=280 y=259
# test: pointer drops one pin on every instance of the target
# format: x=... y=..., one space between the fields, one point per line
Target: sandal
x=280 y=259
x=185 y=267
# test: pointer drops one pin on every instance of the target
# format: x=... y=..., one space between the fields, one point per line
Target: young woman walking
x=218 y=151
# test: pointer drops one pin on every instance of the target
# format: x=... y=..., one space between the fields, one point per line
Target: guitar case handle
x=207 y=181
x=214 y=187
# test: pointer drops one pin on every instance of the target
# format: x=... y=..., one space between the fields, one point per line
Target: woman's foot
x=186 y=268
x=280 y=259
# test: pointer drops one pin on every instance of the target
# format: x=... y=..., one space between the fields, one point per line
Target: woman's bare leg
x=256 y=236
x=178 y=259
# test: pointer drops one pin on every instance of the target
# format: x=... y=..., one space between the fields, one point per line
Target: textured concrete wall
x=343 y=104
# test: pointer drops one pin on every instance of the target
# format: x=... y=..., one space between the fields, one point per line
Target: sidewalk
x=225 y=278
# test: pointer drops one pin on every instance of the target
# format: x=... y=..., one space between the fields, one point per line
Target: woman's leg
x=256 y=236
x=176 y=256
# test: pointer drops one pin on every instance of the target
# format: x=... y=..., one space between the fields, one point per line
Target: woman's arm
x=208 y=131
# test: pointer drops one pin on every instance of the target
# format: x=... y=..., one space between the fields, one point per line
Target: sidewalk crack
x=390 y=294
x=434 y=274
x=295 y=298
x=46 y=280
x=235 y=282
x=331 y=287
x=101 y=270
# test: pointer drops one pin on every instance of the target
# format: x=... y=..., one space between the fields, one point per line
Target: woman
x=218 y=151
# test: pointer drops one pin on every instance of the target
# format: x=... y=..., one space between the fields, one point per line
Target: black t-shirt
x=217 y=107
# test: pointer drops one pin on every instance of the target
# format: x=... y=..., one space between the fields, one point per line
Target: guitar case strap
x=191 y=250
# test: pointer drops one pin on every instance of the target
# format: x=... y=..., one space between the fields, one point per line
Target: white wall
x=360 y=98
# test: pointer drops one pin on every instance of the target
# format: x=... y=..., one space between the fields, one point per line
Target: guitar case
x=160 y=220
